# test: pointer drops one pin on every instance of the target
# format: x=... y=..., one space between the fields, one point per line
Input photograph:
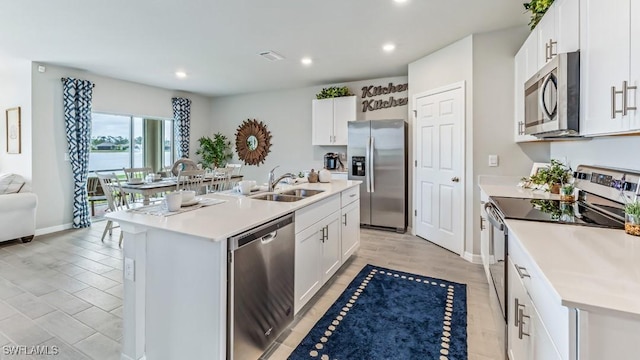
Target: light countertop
x=507 y=186
x=235 y=215
x=590 y=268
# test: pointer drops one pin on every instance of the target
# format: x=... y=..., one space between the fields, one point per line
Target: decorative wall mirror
x=253 y=142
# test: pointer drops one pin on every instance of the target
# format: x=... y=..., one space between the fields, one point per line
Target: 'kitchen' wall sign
x=373 y=104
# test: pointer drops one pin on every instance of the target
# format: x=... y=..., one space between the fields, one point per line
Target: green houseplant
x=332 y=92
x=537 y=8
x=214 y=152
x=549 y=177
x=632 y=218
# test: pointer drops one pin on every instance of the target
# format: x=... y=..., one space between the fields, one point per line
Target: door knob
x=455 y=179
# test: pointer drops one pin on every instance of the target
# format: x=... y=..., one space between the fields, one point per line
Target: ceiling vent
x=271 y=56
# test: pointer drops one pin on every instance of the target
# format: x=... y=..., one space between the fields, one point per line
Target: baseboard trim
x=472 y=258
x=53 y=229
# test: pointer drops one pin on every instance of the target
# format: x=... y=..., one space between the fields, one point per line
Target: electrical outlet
x=129 y=269
x=493 y=160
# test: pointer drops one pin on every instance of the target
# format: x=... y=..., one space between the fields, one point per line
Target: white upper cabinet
x=530 y=48
x=329 y=119
x=605 y=43
x=522 y=67
x=559 y=30
x=634 y=72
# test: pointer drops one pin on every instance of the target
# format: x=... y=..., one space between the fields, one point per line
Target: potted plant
x=566 y=192
x=632 y=218
x=537 y=8
x=332 y=92
x=214 y=152
x=549 y=178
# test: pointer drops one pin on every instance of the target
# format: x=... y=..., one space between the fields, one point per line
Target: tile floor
x=65 y=289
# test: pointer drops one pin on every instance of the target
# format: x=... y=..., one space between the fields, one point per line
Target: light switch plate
x=493 y=160
x=129 y=269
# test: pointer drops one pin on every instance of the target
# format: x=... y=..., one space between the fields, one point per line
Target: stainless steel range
x=602 y=193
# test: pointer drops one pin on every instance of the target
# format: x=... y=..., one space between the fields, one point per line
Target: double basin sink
x=289 y=195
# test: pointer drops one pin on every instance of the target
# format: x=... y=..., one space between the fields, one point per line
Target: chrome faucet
x=272 y=182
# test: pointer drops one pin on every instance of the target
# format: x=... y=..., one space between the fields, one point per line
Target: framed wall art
x=13 y=131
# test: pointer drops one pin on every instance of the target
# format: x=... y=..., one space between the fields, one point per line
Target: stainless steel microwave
x=552 y=98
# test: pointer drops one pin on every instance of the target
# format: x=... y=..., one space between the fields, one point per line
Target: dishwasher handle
x=265 y=233
x=493 y=216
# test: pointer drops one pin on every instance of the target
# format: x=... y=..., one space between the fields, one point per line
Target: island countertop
x=235 y=215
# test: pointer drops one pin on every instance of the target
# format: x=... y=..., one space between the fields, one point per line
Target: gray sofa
x=17 y=209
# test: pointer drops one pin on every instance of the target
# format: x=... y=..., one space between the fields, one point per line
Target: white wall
x=612 y=151
x=485 y=63
x=287 y=114
x=15 y=90
x=52 y=177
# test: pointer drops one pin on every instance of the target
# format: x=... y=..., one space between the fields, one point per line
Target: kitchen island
x=175 y=286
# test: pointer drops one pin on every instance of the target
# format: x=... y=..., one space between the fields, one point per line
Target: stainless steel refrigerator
x=377 y=155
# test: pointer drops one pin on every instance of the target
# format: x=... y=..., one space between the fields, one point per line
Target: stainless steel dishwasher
x=260 y=287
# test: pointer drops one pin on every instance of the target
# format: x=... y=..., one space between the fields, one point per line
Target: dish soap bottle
x=313 y=176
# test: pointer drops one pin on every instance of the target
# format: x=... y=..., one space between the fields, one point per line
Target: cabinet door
x=634 y=78
x=520 y=71
x=518 y=333
x=350 y=229
x=344 y=110
x=308 y=265
x=322 y=122
x=531 y=56
x=543 y=347
x=567 y=18
x=604 y=62
x=546 y=31
x=331 y=249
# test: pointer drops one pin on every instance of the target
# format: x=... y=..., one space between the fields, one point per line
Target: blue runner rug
x=388 y=314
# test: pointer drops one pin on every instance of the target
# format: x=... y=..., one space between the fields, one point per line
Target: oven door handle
x=493 y=217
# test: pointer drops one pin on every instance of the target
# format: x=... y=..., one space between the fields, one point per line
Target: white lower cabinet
x=327 y=233
x=350 y=229
x=528 y=338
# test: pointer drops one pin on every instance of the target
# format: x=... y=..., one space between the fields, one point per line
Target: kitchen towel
x=389 y=314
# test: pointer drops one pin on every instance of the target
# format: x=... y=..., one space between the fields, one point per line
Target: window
x=120 y=141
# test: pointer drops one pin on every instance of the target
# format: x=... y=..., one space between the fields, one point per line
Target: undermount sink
x=289 y=195
x=277 y=197
x=302 y=192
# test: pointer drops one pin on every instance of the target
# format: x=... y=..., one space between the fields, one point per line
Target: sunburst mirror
x=253 y=142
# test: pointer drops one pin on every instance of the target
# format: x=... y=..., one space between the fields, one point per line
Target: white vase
x=324 y=176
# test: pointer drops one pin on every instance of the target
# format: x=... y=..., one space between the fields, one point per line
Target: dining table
x=149 y=188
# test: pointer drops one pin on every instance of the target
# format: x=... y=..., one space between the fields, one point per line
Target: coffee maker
x=332 y=161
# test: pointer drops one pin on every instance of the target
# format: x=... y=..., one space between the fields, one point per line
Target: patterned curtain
x=181 y=125
x=77 y=96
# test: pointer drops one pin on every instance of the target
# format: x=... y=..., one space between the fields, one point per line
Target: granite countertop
x=235 y=215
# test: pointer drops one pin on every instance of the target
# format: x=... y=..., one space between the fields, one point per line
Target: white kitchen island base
x=175 y=300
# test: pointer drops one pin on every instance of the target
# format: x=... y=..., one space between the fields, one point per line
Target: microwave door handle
x=542 y=104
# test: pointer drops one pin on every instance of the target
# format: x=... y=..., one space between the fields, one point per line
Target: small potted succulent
x=632 y=218
x=566 y=192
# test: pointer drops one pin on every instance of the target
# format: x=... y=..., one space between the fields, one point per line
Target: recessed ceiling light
x=399 y=1
x=306 y=61
x=388 y=47
x=181 y=74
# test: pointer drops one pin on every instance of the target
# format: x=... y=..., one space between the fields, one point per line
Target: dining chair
x=235 y=168
x=190 y=180
x=116 y=200
x=183 y=165
x=94 y=193
x=221 y=180
x=141 y=172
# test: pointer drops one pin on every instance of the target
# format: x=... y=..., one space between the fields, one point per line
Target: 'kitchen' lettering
x=370 y=91
x=371 y=105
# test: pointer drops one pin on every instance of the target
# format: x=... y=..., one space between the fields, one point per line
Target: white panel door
x=439 y=173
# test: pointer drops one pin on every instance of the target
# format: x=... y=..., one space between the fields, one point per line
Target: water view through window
x=119 y=141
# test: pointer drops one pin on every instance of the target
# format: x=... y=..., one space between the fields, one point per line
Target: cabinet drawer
x=350 y=195
x=553 y=314
x=313 y=213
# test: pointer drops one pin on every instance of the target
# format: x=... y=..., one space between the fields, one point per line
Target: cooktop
x=575 y=213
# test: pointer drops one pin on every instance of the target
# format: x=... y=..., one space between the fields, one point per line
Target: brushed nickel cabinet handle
x=615 y=111
x=521 y=272
x=625 y=98
x=551 y=53
x=345 y=219
x=482 y=227
x=546 y=52
x=322 y=235
x=516 y=307
x=521 y=315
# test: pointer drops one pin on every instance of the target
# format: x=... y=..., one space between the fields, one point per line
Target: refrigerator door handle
x=371 y=169
x=367 y=170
